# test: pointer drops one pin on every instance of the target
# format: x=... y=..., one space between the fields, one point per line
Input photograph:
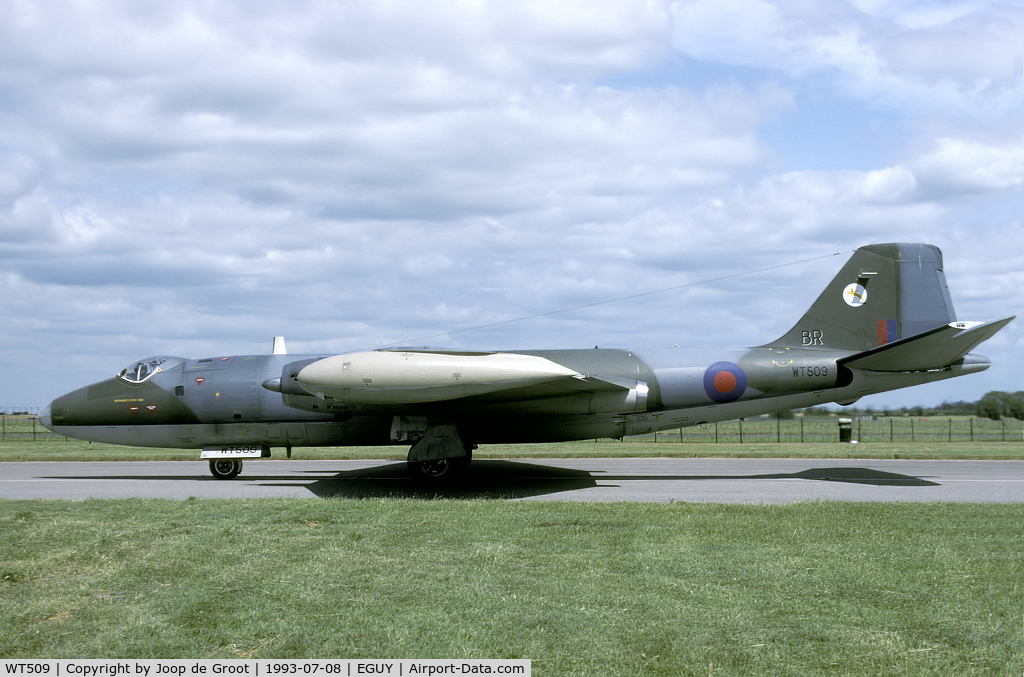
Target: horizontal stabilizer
x=935 y=349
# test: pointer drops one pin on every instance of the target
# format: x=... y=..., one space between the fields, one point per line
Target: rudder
x=885 y=292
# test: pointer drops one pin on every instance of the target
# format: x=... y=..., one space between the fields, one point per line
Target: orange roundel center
x=725 y=382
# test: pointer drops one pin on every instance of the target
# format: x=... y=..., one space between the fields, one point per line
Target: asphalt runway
x=769 y=481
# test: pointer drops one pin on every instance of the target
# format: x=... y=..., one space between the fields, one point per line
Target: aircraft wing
x=414 y=377
x=935 y=349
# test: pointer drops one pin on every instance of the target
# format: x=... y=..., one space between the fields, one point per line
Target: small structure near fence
x=846 y=430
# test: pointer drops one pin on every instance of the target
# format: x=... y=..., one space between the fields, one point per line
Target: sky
x=194 y=178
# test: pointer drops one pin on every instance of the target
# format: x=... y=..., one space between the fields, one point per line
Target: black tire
x=440 y=471
x=225 y=468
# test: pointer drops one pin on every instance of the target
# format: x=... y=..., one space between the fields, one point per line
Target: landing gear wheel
x=225 y=468
x=441 y=470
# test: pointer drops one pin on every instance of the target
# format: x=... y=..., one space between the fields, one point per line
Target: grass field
x=604 y=589
x=589 y=589
x=59 y=449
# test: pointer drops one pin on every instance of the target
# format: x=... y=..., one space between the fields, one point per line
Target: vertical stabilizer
x=884 y=292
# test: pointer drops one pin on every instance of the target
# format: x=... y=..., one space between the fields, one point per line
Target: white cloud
x=960 y=166
x=916 y=56
x=195 y=178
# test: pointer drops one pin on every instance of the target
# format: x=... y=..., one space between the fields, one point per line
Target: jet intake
x=293 y=395
x=288 y=384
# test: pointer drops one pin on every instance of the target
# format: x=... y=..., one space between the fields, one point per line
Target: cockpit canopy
x=143 y=370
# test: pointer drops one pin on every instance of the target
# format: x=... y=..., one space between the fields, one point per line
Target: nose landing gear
x=225 y=468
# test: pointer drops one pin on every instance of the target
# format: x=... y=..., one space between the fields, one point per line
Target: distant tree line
x=996 y=405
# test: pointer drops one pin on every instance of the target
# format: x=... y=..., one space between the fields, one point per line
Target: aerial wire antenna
x=615 y=300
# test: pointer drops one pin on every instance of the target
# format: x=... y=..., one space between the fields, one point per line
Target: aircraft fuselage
x=223 y=400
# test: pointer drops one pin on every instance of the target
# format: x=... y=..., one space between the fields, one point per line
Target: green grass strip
x=595 y=589
x=61 y=449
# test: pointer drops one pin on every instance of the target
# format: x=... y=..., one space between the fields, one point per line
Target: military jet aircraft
x=886 y=321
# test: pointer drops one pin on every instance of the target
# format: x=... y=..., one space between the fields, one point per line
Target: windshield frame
x=140 y=371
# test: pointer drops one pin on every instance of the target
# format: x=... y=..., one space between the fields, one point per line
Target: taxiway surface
x=605 y=479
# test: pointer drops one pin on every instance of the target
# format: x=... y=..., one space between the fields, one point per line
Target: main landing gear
x=225 y=468
x=440 y=469
x=440 y=455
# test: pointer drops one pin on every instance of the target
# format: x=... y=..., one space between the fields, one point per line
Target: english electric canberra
x=886 y=321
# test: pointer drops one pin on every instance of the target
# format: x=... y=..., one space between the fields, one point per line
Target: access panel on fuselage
x=223 y=389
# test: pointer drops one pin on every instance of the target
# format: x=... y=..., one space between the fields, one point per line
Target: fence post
x=951 y=429
x=912 y=438
x=741 y=431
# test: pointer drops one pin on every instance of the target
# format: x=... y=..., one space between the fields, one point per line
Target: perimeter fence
x=14 y=427
x=953 y=429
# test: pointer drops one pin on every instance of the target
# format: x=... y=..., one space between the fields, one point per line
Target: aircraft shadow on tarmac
x=508 y=479
x=498 y=479
x=483 y=479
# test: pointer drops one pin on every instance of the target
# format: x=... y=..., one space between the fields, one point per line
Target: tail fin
x=884 y=293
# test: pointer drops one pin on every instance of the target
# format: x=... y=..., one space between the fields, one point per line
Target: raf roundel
x=724 y=382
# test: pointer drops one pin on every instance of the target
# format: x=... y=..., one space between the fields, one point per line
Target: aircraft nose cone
x=44 y=417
